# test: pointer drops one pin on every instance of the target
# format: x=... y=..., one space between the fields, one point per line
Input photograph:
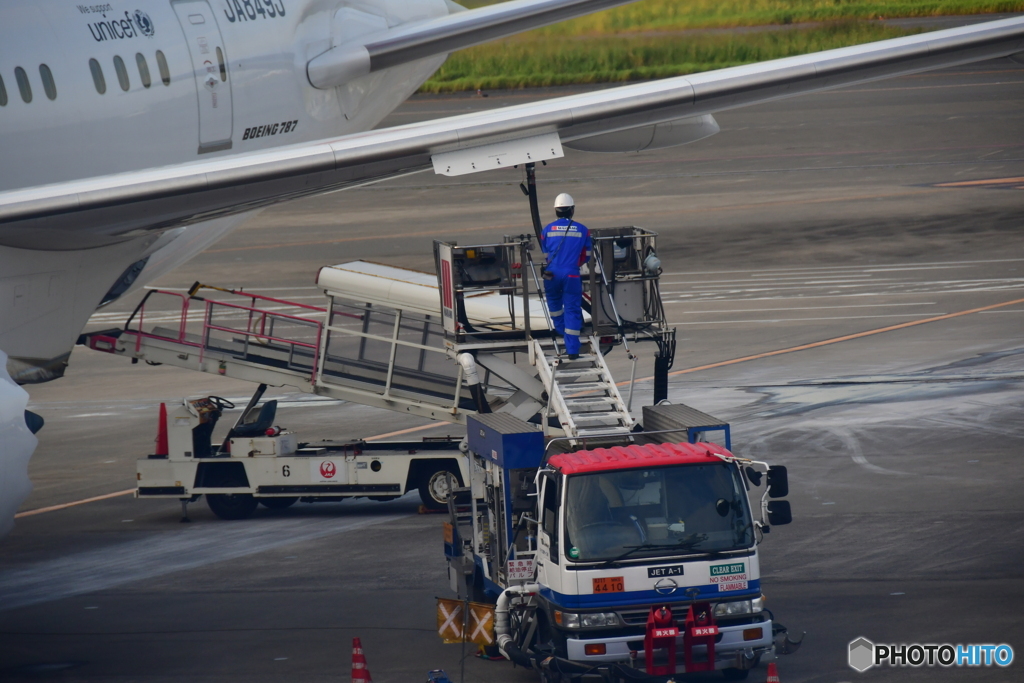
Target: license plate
x=609 y=584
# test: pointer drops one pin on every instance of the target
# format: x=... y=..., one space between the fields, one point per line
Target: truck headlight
x=599 y=619
x=739 y=607
x=587 y=620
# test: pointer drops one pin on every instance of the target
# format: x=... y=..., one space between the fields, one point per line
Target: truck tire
x=278 y=503
x=434 y=488
x=231 y=505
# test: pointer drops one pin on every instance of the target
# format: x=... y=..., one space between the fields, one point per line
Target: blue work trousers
x=564 y=293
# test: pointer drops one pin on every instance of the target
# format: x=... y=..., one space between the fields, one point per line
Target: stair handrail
x=543 y=301
x=555 y=398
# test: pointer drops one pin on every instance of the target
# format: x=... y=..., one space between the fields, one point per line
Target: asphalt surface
x=803 y=221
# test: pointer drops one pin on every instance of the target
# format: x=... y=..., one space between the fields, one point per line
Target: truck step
x=585 y=358
x=602 y=432
x=576 y=374
x=581 y=387
x=589 y=403
x=609 y=418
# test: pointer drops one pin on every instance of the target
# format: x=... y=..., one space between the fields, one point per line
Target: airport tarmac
x=813 y=225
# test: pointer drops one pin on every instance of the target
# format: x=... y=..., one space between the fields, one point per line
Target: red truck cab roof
x=636 y=455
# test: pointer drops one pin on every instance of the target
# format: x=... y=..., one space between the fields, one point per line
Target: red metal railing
x=255 y=314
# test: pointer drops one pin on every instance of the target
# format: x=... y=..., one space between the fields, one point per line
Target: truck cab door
x=547 y=534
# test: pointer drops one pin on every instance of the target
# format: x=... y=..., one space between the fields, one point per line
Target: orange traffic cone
x=773 y=673
x=161 y=432
x=360 y=674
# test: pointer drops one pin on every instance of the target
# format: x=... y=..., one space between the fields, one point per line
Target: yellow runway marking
x=977 y=183
x=62 y=506
x=834 y=340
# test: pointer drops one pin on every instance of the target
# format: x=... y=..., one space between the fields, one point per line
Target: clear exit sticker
x=729 y=577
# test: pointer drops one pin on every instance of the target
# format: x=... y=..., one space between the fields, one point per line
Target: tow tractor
x=608 y=548
x=261 y=463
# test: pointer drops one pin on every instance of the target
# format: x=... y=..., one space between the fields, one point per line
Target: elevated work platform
x=475 y=338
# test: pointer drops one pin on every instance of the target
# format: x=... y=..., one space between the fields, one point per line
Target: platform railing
x=259 y=331
x=417 y=328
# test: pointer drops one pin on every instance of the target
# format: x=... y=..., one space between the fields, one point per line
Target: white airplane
x=133 y=136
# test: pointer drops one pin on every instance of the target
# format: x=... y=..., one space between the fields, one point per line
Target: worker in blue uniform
x=566 y=244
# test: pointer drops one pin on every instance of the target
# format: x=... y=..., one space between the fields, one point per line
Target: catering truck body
x=630 y=560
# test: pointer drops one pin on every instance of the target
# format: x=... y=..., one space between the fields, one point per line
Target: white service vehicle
x=636 y=560
x=260 y=463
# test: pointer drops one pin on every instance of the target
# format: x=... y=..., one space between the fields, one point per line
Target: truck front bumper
x=732 y=651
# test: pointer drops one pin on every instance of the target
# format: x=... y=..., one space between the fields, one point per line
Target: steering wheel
x=221 y=403
x=607 y=523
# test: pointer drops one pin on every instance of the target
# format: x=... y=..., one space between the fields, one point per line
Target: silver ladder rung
x=589 y=403
x=578 y=387
x=580 y=418
x=601 y=432
x=583 y=358
x=573 y=374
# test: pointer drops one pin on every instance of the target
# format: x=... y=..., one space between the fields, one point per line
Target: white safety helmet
x=564 y=205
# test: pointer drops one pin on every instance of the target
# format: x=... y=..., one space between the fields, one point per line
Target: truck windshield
x=663 y=510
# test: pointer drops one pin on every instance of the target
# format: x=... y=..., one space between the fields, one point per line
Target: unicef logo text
x=131 y=26
x=144 y=23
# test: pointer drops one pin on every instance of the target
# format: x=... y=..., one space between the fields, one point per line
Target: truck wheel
x=434 y=489
x=278 y=503
x=231 y=505
x=735 y=674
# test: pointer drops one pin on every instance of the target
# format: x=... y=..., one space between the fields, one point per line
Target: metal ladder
x=582 y=393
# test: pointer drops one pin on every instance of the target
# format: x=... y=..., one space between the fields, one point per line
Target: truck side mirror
x=779 y=512
x=753 y=475
x=778 y=482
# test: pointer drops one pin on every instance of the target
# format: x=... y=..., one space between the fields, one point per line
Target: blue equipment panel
x=505 y=440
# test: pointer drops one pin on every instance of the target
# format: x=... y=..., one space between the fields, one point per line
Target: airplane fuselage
x=96 y=89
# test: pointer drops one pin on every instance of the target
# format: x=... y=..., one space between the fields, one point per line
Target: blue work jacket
x=567 y=245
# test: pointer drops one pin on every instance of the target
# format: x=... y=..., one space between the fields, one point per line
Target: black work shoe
x=574 y=356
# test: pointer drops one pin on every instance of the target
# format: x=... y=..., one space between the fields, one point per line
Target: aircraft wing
x=660 y=113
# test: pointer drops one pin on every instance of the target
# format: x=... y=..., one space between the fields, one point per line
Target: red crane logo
x=327 y=469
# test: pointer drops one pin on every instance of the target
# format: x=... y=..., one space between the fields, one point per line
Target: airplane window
x=97 y=76
x=48 y=85
x=223 y=66
x=165 y=73
x=23 y=84
x=122 y=73
x=3 y=93
x=143 y=70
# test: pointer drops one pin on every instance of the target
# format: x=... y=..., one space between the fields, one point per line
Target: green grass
x=680 y=14
x=637 y=42
x=533 y=62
